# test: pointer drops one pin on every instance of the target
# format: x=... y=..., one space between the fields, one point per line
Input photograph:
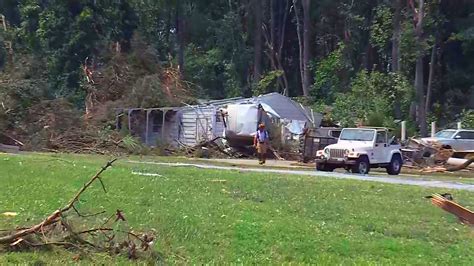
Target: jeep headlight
x=346 y=152
x=326 y=151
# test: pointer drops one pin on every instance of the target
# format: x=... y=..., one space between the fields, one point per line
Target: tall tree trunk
x=300 y=43
x=281 y=44
x=430 y=79
x=396 y=22
x=278 y=19
x=273 y=22
x=257 y=48
x=180 y=36
x=420 y=93
x=397 y=18
x=306 y=47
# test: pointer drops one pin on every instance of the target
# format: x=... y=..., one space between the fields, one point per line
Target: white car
x=458 y=140
x=359 y=149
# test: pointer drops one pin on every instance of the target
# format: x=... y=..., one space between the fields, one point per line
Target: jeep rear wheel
x=395 y=165
x=362 y=166
x=324 y=167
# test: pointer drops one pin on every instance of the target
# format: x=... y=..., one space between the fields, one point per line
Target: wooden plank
x=464 y=214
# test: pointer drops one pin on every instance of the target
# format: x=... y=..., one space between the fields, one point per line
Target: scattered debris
x=422 y=153
x=213 y=147
x=61 y=228
x=449 y=166
x=9 y=214
x=432 y=157
x=464 y=215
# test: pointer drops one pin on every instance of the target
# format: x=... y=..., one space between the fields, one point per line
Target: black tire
x=395 y=165
x=362 y=166
x=324 y=167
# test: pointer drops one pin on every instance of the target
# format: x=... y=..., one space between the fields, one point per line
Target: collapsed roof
x=275 y=104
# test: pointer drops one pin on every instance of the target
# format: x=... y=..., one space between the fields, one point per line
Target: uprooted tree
x=61 y=228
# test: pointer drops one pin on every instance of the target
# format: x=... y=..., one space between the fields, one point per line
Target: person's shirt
x=262 y=135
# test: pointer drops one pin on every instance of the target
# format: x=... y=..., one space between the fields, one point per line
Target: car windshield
x=357 y=134
x=445 y=134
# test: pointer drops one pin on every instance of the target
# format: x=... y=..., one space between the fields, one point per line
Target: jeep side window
x=381 y=137
x=465 y=135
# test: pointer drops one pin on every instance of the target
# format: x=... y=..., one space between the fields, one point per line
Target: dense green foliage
x=219 y=217
x=372 y=99
x=467 y=119
x=238 y=48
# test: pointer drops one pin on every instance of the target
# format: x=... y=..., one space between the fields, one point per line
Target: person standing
x=260 y=142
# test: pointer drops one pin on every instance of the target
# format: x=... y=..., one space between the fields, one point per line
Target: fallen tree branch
x=59 y=230
x=56 y=215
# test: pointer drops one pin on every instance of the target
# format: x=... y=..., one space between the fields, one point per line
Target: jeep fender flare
x=364 y=154
x=396 y=152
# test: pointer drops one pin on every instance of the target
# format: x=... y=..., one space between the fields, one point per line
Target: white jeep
x=359 y=149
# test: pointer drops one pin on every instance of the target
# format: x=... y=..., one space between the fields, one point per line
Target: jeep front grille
x=336 y=153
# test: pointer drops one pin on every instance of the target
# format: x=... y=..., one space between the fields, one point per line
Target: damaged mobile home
x=234 y=119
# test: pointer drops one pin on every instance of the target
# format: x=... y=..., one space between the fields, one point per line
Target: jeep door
x=381 y=151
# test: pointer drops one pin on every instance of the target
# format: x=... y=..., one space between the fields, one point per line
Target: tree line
x=371 y=62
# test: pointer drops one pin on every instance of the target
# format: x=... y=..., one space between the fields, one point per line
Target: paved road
x=406 y=180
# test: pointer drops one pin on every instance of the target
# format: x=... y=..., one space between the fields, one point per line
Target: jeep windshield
x=357 y=134
x=445 y=134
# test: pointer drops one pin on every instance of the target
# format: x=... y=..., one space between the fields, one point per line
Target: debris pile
x=215 y=147
x=432 y=157
x=66 y=227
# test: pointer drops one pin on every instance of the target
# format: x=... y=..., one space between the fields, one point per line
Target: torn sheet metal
x=242 y=119
x=296 y=127
x=270 y=111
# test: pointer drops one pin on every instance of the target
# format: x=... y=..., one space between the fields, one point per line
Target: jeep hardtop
x=359 y=150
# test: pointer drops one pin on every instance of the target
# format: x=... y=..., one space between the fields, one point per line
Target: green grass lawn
x=210 y=216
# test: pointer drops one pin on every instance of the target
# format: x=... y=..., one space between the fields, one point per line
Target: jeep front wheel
x=362 y=166
x=395 y=165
